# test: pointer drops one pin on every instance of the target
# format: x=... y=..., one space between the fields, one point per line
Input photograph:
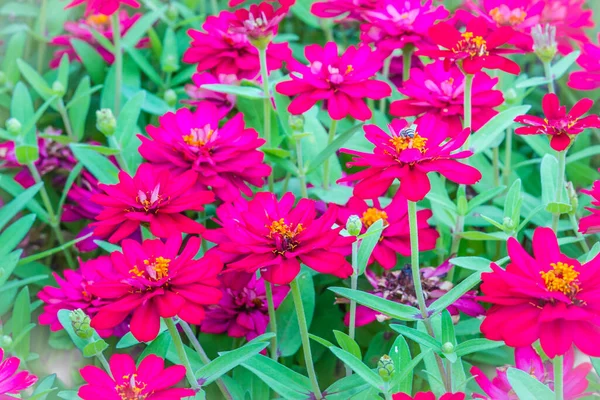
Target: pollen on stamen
x=414 y=141
x=373 y=215
x=561 y=278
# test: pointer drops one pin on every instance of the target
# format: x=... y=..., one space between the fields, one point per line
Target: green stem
x=42 y=32
x=264 y=74
x=559 y=187
x=548 y=72
x=305 y=340
x=353 y=286
x=119 y=156
x=330 y=138
x=557 y=362
x=386 y=72
x=65 y=117
x=272 y=318
x=507 y=157
x=214 y=6
x=116 y=27
x=104 y=363
x=181 y=353
x=579 y=235
x=406 y=61
x=496 y=165
x=458 y=228
x=301 y=171
x=467 y=109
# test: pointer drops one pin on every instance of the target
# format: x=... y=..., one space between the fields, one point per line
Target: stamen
x=474 y=45
x=561 y=278
x=373 y=215
x=505 y=16
x=199 y=137
x=412 y=141
x=156 y=268
x=131 y=389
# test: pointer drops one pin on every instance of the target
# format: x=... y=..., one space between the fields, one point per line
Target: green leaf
x=44 y=388
x=68 y=395
x=222 y=364
x=478 y=235
x=387 y=307
x=549 y=175
x=14 y=8
x=583 y=153
x=484 y=197
x=330 y=150
x=152 y=104
x=145 y=66
x=12 y=52
x=513 y=201
x=320 y=340
x=286 y=382
x=448 y=335
x=368 y=243
x=563 y=65
x=349 y=387
x=35 y=80
x=78 y=108
x=400 y=354
x=418 y=336
x=473 y=263
x=94 y=348
x=9 y=263
x=596 y=363
x=530 y=82
x=21 y=317
x=12 y=236
x=63 y=72
x=139 y=29
x=169 y=57
x=8 y=211
x=91 y=60
x=127 y=121
x=13 y=188
x=248 y=92
x=454 y=294
x=476 y=345
x=68 y=183
x=348 y=344
x=359 y=368
x=54 y=250
x=495 y=127
x=527 y=386
x=102 y=169
x=15 y=284
x=558 y=208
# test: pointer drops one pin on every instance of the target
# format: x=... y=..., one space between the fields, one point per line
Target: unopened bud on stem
x=106 y=122
x=354 y=225
x=544 y=41
x=81 y=324
x=385 y=367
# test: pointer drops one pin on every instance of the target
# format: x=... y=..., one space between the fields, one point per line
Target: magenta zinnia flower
x=257 y=22
x=550 y=297
x=11 y=383
x=225 y=158
x=243 y=311
x=437 y=95
x=106 y=7
x=153 y=280
x=571 y=18
x=275 y=237
x=428 y=396
x=354 y=9
x=197 y=95
x=153 y=196
x=589 y=60
x=395 y=238
x=560 y=126
x=526 y=359
x=149 y=381
x=343 y=81
x=591 y=223
x=408 y=156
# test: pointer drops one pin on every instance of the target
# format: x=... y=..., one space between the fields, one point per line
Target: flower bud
x=170 y=64
x=296 y=122
x=81 y=324
x=5 y=341
x=508 y=223
x=572 y=196
x=511 y=96
x=13 y=126
x=172 y=12
x=261 y=42
x=544 y=42
x=354 y=225
x=170 y=97
x=385 y=367
x=106 y=122
x=448 y=348
x=58 y=89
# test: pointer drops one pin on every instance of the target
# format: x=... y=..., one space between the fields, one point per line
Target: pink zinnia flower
x=428 y=396
x=526 y=359
x=258 y=21
x=589 y=60
x=354 y=9
x=219 y=51
x=591 y=223
x=150 y=381
x=550 y=297
x=225 y=158
x=343 y=81
x=243 y=311
x=152 y=280
x=275 y=237
x=106 y=7
x=284 y=3
x=223 y=101
x=395 y=238
x=437 y=95
x=153 y=196
x=408 y=156
x=11 y=383
x=396 y=24
x=570 y=19
x=81 y=30
x=560 y=126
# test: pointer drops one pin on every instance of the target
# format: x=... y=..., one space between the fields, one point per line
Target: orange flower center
x=131 y=389
x=156 y=268
x=409 y=140
x=199 y=137
x=474 y=45
x=561 y=278
x=98 y=19
x=505 y=16
x=284 y=235
x=150 y=200
x=373 y=215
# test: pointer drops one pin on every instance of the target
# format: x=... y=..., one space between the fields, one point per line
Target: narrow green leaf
x=348 y=344
x=102 y=40
x=418 y=336
x=368 y=243
x=94 y=348
x=475 y=345
x=286 y=382
x=359 y=368
x=9 y=263
x=12 y=236
x=558 y=208
x=35 y=80
x=448 y=335
x=68 y=183
x=549 y=175
x=169 y=60
x=488 y=134
x=387 y=307
x=330 y=150
x=473 y=263
x=248 y=92
x=320 y=340
x=44 y=388
x=563 y=65
x=513 y=201
x=454 y=294
x=527 y=386
x=8 y=211
x=43 y=254
x=79 y=107
x=400 y=354
x=222 y=364
x=15 y=284
x=127 y=121
x=484 y=197
x=92 y=60
x=63 y=72
x=102 y=169
x=139 y=29
x=12 y=52
x=145 y=66
x=21 y=317
x=349 y=387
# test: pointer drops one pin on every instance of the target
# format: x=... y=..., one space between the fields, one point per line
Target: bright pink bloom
x=354 y=9
x=275 y=237
x=476 y=48
x=11 y=383
x=550 y=297
x=591 y=223
x=153 y=196
x=225 y=158
x=284 y=3
x=428 y=396
x=219 y=51
x=409 y=156
x=570 y=19
x=589 y=60
x=396 y=24
x=395 y=238
x=343 y=81
x=560 y=127
x=223 y=101
x=437 y=95
x=81 y=30
x=150 y=381
x=243 y=311
x=106 y=7
x=526 y=359
x=258 y=21
x=152 y=280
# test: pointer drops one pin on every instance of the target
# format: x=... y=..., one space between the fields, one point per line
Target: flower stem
x=301 y=171
x=557 y=362
x=385 y=72
x=496 y=165
x=305 y=340
x=575 y=225
x=264 y=74
x=181 y=352
x=559 y=187
x=272 y=318
x=65 y=117
x=406 y=61
x=507 y=158
x=353 y=286
x=548 y=72
x=42 y=32
x=467 y=109
x=214 y=6
x=330 y=138
x=116 y=26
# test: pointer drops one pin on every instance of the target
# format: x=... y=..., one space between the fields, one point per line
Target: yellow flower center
x=474 y=45
x=279 y=227
x=505 y=16
x=157 y=268
x=98 y=19
x=131 y=389
x=198 y=137
x=373 y=215
x=349 y=68
x=409 y=141
x=561 y=278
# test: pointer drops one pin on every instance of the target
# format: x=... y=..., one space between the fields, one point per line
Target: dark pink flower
x=591 y=223
x=275 y=237
x=224 y=158
x=243 y=311
x=219 y=51
x=560 y=126
x=153 y=280
x=570 y=19
x=395 y=238
x=354 y=9
x=223 y=101
x=11 y=383
x=437 y=95
x=284 y=3
x=589 y=60
x=155 y=197
x=428 y=396
x=106 y=7
x=343 y=81
x=258 y=21
x=526 y=359
x=409 y=155
x=149 y=381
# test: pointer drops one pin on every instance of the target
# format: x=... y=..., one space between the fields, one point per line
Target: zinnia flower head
x=155 y=197
x=409 y=155
x=396 y=24
x=225 y=158
x=589 y=60
x=223 y=101
x=243 y=310
x=259 y=22
x=152 y=280
x=395 y=238
x=570 y=19
x=276 y=237
x=218 y=50
x=591 y=223
x=550 y=297
x=560 y=126
x=526 y=359
x=437 y=95
x=343 y=81
x=428 y=396
x=476 y=48
x=11 y=383
x=354 y=9
x=284 y=3
x=149 y=381
x=106 y=7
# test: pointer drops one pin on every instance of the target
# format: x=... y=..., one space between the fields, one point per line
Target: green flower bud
x=573 y=199
x=511 y=96
x=448 y=348
x=544 y=42
x=170 y=64
x=106 y=122
x=172 y=12
x=58 y=89
x=13 y=126
x=261 y=43
x=81 y=324
x=5 y=341
x=170 y=97
x=385 y=367
x=296 y=122
x=508 y=223
x=354 y=225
